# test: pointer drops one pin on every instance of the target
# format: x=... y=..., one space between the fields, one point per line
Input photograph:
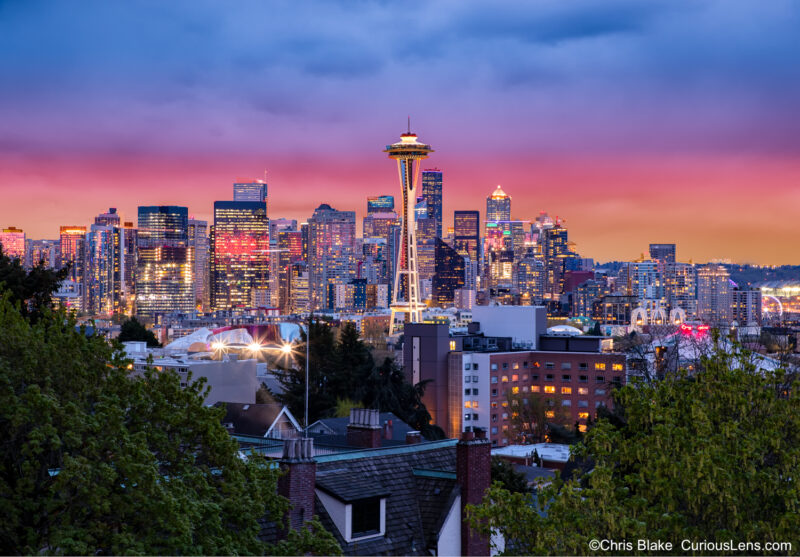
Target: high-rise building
x=432 y=195
x=72 y=250
x=111 y=218
x=12 y=240
x=198 y=239
x=249 y=189
x=426 y=247
x=289 y=252
x=449 y=277
x=498 y=206
x=680 y=287
x=664 y=253
x=530 y=277
x=408 y=153
x=466 y=234
x=746 y=306
x=103 y=291
x=555 y=249
x=239 y=254
x=165 y=270
x=380 y=204
x=714 y=294
x=41 y=251
x=378 y=225
x=331 y=251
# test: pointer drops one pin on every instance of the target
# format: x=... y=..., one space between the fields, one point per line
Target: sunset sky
x=634 y=121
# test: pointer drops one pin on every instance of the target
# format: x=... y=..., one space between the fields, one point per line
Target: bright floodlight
x=286 y=348
x=254 y=347
x=218 y=345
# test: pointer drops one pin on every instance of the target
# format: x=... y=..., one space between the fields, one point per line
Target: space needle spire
x=405 y=295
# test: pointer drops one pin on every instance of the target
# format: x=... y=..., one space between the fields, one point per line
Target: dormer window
x=366 y=517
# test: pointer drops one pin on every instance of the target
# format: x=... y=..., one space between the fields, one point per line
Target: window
x=566 y=365
x=583 y=378
x=474 y=416
x=505 y=415
x=535 y=389
x=474 y=403
x=366 y=517
x=467 y=391
x=583 y=415
x=617 y=380
x=504 y=379
x=467 y=404
x=534 y=377
x=494 y=405
x=583 y=391
x=474 y=391
x=599 y=379
x=549 y=414
x=504 y=404
x=494 y=379
x=583 y=404
x=515 y=377
x=549 y=365
x=452 y=345
x=467 y=417
x=515 y=390
x=494 y=392
x=600 y=366
x=494 y=430
x=474 y=366
x=515 y=365
x=566 y=378
x=525 y=365
x=598 y=403
x=566 y=402
x=548 y=377
x=494 y=417
x=549 y=389
x=616 y=367
x=599 y=392
x=467 y=367
x=566 y=390
x=524 y=376
x=582 y=428
x=505 y=365
x=583 y=365
x=474 y=378
x=467 y=379
x=494 y=367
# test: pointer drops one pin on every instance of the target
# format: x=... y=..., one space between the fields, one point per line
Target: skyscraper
x=110 y=265
x=405 y=295
x=41 y=251
x=13 y=241
x=498 y=206
x=662 y=252
x=165 y=270
x=466 y=233
x=432 y=194
x=250 y=190
x=198 y=239
x=331 y=252
x=72 y=247
x=714 y=294
x=449 y=276
x=239 y=254
x=380 y=204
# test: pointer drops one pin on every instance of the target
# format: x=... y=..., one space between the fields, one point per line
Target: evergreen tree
x=134 y=330
x=32 y=291
x=504 y=474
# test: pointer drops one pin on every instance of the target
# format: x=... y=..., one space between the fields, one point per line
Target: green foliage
x=312 y=539
x=715 y=456
x=95 y=461
x=344 y=370
x=528 y=417
x=503 y=473
x=133 y=330
x=32 y=291
x=343 y=407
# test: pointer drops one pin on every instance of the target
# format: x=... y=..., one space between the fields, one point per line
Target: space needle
x=405 y=295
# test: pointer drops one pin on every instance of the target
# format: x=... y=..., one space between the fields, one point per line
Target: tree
x=532 y=416
x=354 y=360
x=133 y=330
x=31 y=290
x=711 y=456
x=504 y=474
x=94 y=460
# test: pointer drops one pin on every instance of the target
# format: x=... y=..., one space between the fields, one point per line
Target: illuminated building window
x=494 y=405
x=549 y=389
x=616 y=367
x=515 y=377
x=505 y=415
x=515 y=365
x=467 y=404
x=474 y=403
x=524 y=388
x=535 y=389
x=452 y=345
x=525 y=377
x=505 y=428
x=504 y=379
x=566 y=390
x=566 y=402
x=583 y=391
x=505 y=404
x=515 y=390
x=582 y=428
x=583 y=415
x=599 y=366
x=549 y=414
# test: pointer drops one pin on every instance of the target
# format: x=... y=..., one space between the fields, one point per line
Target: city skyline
x=636 y=123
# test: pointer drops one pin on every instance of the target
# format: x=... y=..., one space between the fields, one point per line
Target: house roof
x=346 y=487
x=412 y=522
x=251 y=419
x=338 y=426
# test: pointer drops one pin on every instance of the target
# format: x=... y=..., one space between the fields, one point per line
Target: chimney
x=388 y=430
x=364 y=430
x=413 y=437
x=473 y=473
x=298 y=480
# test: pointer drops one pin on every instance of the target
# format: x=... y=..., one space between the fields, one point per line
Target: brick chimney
x=473 y=473
x=413 y=437
x=364 y=429
x=298 y=480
